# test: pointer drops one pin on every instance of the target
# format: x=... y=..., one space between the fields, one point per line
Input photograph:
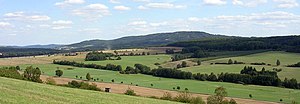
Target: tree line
x=95 y=66
x=248 y=75
x=30 y=73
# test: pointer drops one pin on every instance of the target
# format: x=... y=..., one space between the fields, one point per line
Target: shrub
x=184 y=97
x=167 y=96
x=156 y=64
x=59 y=73
x=197 y=100
x=130 y=92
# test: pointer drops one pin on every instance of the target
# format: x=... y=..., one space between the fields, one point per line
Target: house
x=1 y=54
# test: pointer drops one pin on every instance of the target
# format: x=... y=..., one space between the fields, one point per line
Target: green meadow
x=266 y=57
x=264 y=93
x=24 y=92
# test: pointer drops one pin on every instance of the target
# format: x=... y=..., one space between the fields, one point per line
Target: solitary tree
x=199 y=62
x=277 y=62
x=184 y=64
x=88 y=76
x=59 y=73
x=230 y=61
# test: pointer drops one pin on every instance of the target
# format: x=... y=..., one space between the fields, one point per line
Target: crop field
x=266 y=57
x=264 y=93
x=17 y=91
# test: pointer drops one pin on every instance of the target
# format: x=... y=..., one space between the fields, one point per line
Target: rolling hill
x=140 y=41
x=18 y=91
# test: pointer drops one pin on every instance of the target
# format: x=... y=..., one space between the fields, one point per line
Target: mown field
x=266 y=57
x=23 y=92
x=148 y=60
x=264 y=93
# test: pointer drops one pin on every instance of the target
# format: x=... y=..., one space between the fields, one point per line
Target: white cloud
x=4 y=25
x=138 y=23
x=164 y=6
x=141 y=0
x=214 y=2
x=269 y=20
x=142 y=7
x=122 y=8
x=249 y=3
x=92 y=11
x=114 y=1
x=157 y=24
x=61 y=24
x=237 y=2
x=90 y=30
x=25 y=16
x=69 y=2
x=287 y=3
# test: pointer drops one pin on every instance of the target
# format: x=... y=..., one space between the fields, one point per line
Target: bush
x=59 y=73
x=197 y=100
x=167 y=96
x=184 y=97
x=130 y=92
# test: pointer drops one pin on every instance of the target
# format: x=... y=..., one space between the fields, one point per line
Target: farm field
x=263 y=93
x=266 y=57
x=17 y=91
x=148 y=60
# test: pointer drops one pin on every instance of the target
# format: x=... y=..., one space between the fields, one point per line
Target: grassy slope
x=18 y=91
x=235 y=90
x=267 y=57
x=131 y=60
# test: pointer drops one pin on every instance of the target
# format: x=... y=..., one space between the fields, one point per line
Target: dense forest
x=19 y=52
x=201 y=47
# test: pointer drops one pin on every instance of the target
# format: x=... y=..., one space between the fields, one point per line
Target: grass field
x=148 y=60
x=234 y=90
x=23 y=92
x=267 y=57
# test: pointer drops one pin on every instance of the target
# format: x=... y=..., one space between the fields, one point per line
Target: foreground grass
x=17 y=91
x=266 y=57
x=264 y=93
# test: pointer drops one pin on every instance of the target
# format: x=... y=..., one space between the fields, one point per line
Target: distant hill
x=279 y=43
x=49 y=46
x=140 y=41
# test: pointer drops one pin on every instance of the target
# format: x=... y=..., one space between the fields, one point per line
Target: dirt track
x=148 y=92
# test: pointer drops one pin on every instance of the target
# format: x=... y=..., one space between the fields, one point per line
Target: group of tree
x=95 y=66
x=138 y=68
x=33 y=74
x=219 y=97
x=21 y=52
x=10 y=72
x=30 y=73
x=135 y=54
x=97 y=56
x=295 y=65
x=230 y=61
x=178 y=57
x=82 y=85
x=182 y=65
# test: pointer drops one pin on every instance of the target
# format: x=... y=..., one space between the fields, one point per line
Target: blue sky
x=26 y=22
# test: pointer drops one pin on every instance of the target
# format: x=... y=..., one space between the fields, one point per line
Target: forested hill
x=18 y=52
x=141 y=41
x=282 y=43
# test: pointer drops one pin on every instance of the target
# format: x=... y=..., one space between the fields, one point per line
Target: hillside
x=140 y=41
x=35 y=93
x=282 y=43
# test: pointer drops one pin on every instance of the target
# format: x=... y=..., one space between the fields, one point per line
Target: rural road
x=147 y=92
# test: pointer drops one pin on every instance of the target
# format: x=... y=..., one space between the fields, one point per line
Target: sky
x=28 y=22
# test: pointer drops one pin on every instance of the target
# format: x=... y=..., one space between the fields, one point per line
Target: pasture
x=17 y=91
x=148 y=60
x=266 y=57
x=264 y=93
